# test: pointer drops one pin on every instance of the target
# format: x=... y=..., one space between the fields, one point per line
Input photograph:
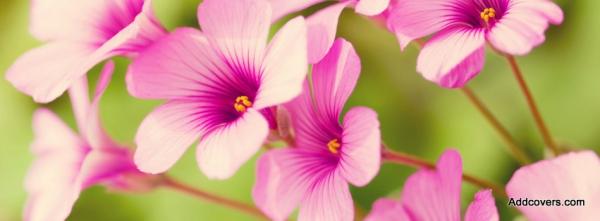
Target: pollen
x=242 y=103
x=334 y=146
x=487 y=14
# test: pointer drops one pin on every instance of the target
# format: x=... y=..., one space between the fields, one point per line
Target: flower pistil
x=334 y=146
x=488 y=13
x=242 y=103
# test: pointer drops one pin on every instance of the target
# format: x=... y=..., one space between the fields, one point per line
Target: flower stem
x=417 y=162
x=80 y=100
x=213 y=198
x=532 y=106
x=514 y=149
x=359 y=212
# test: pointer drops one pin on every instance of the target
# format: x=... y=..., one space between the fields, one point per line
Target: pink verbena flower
x=434 y=195
x=220 y=84
x=79 y=34
x=572 y=176
x=455 y=53
x=322 y=26
x=327 y=154
x=66 y=162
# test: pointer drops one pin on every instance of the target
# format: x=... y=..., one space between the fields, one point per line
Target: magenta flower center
x=479 y=13
x=334 y=146
x=242 y=103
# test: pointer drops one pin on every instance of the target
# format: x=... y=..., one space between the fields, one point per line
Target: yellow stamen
x=242 y=103
x=334 y=146
x=488 y=13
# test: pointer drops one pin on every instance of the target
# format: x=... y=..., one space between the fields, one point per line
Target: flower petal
x=311 y=129
x=179 y=66
x=283 y=178
x=435 y=195
x=50 y=182
x=137 y=28
x=523 y=25
x=361 y=146
x=166 y=133
x=65 y=19
x=239 y=28
x=387 y=210
x=284 y=7
x=452 y=57
x=224 y=150
x=52 y=134
x=285 y=65
x=46 y=72
x=101 y=166
x=572 y=176
x=334 y=79
x=483 y=208
x=328 y=199
x=94 y=21
x=322 y=27
x=56 y=200
x=371 y=7
x=425 y=17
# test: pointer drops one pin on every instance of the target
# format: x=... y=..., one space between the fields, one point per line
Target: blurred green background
x=416 y=116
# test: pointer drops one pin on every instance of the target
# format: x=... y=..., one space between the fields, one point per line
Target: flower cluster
x=231 y=90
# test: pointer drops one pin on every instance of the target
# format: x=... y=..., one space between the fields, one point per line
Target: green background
x=416 y=116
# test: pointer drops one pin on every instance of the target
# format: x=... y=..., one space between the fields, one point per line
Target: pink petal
x=124 y=27
x=410 y=19
x=94 y=133
x=387 y=210
x=176 y=67
x=322 y=27
x=328 y=199
x=523 y=25
x=334 y=79
x=361 y=146
x=56 y=201
x=166 y=133
x=94 y=22
x=46 y=72
x=310 y=128
x=142 y=31
x=100 y=166
x=224 y=150
x=53 y=135
x=51 y=181
x=435 y=195
x=239 y=28
x=571 y=176
x=452 y=57
x=483 y=207
x=284 y=7
x=281 y=182
x=65 y=19
x=285 y=65
x=371 y=7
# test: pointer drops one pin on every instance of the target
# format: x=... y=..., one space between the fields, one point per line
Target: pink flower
x=322 y=26
x=435 y=195
x=220 y=85
x=572 y=176
x=79 y=35
x=327 y=155
x=66 y=162
x=455 y=53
